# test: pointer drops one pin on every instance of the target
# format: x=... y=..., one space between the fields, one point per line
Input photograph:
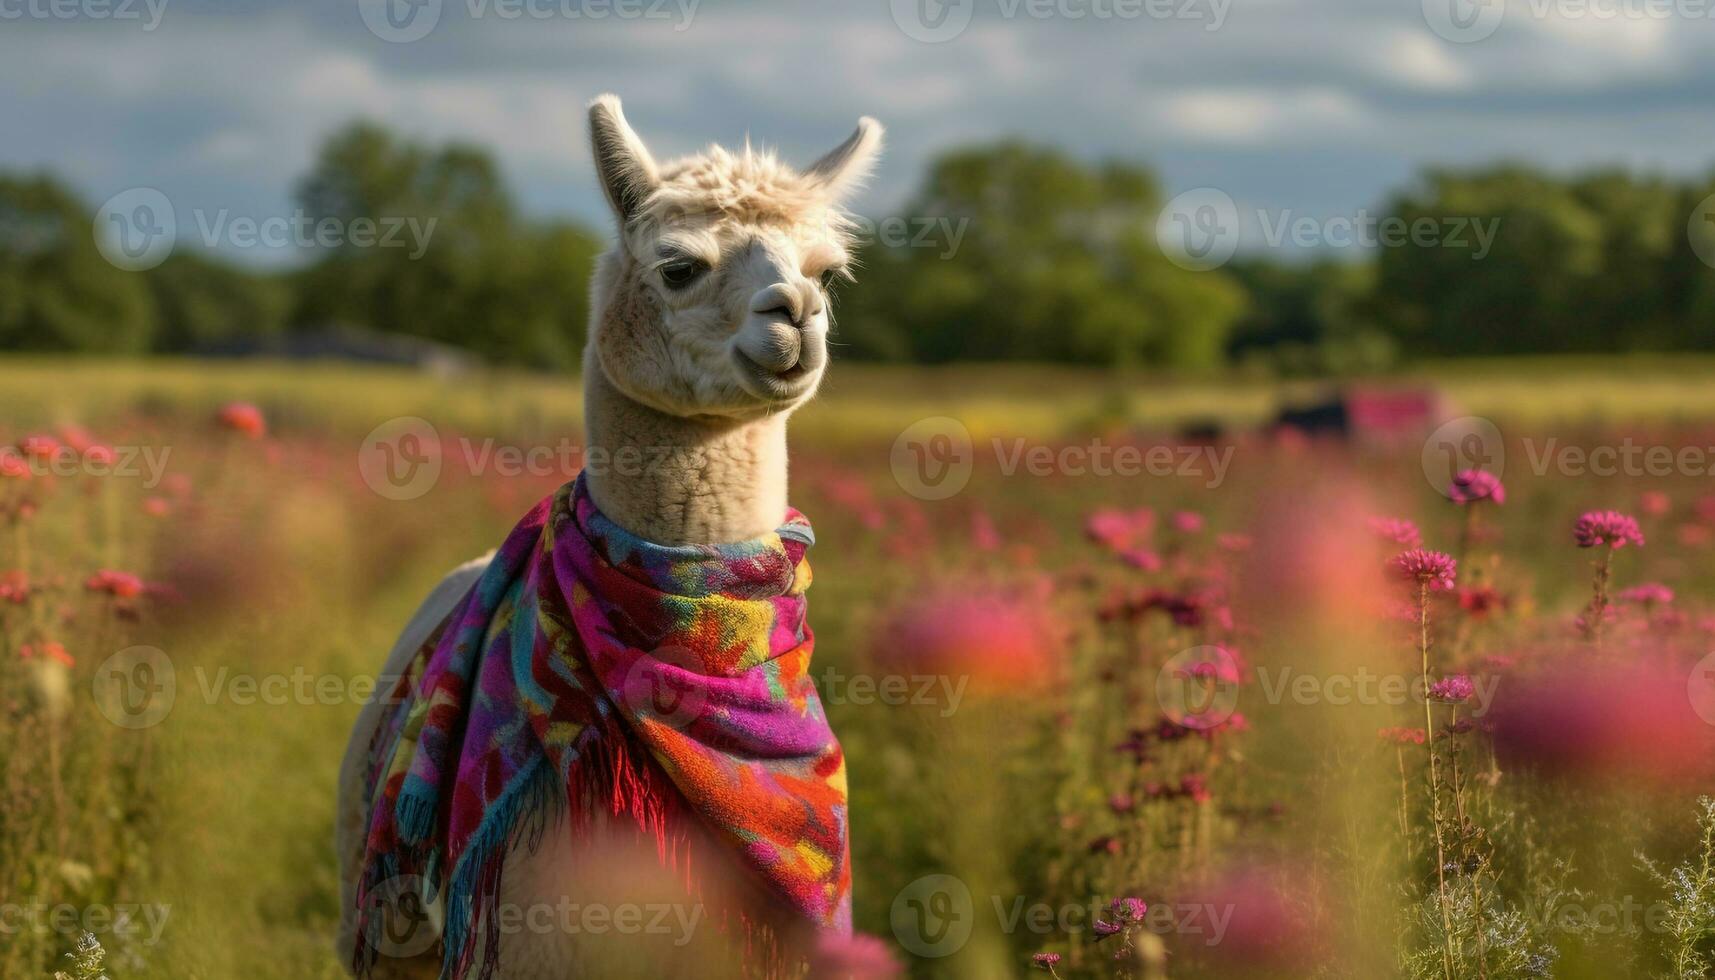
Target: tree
x=483 y=278
x=57 y=292
x=1057 y=261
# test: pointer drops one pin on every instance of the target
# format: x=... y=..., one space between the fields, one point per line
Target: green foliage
x=1690 y=924
x=1600 y=262
x=56 y=291
x=484 y=280
x=1057 y=262
x=199 y=300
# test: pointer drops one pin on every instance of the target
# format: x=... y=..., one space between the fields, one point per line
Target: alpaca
x=708 y=329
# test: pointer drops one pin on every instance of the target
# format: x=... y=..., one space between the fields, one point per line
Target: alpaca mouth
x=770 y=384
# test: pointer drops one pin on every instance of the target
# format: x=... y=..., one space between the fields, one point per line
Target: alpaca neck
x=675 y=480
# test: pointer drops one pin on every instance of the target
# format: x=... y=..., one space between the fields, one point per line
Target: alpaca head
x=714 y=300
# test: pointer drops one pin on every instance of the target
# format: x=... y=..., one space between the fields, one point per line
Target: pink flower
x=1430 y=568
x=984 y=535
x=1453 y=689
x=120 y=585
x=1119 y=529
x=1103 y=928
x=1045 y=961
x=1654 y=503
x=1230 y=541
x=13 y=466
x=1647 y=594
x=41 y=448
x=854 y=957
x=1401 y=736
x=1481 y=601
x=1609 y=527
x=1471 y=486
x=47 y=650
x=1128 y=909
x=245 y=419
x=1141 y=559
x=1396 y=530
x=1188 y=521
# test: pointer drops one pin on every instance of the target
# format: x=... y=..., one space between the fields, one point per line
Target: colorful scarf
x=584 y=666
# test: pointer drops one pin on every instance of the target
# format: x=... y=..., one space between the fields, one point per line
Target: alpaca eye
x=829 y=276
x=682 y=272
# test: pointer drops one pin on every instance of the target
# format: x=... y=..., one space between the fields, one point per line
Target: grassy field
x=269 y=557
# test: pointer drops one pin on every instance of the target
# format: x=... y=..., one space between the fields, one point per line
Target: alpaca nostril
x=782 y=311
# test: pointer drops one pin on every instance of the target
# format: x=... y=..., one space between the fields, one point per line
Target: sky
x=1312 y=108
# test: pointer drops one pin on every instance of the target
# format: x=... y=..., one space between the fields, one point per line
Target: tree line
x=1009 y=251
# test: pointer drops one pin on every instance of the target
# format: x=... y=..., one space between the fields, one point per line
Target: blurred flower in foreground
x=1003 y=640
x=120 y=585
x=1648 y=594
x=1268 y=929
x=1609 y=527
x=1619 y=722
x=855 y=957
x=243 y=418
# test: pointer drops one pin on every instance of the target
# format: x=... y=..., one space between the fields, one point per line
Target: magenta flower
x=1648 y=594
x=858 y=956
x=1429 y=568
x=1103 y=928
x=1045 y=961
x=1453 y=689
x=1396 y=530
x=1609 y=527
x=1128 y=909
x=1471 y=486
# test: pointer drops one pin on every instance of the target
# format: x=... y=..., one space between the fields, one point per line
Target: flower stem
x=1434 y=783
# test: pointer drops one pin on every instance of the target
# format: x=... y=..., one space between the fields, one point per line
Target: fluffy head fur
x=714 y=300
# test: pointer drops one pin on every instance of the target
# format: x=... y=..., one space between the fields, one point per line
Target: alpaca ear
x=622 y=163
x=850 y=162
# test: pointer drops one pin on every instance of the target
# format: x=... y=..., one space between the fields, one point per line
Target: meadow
x=1254 y=703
